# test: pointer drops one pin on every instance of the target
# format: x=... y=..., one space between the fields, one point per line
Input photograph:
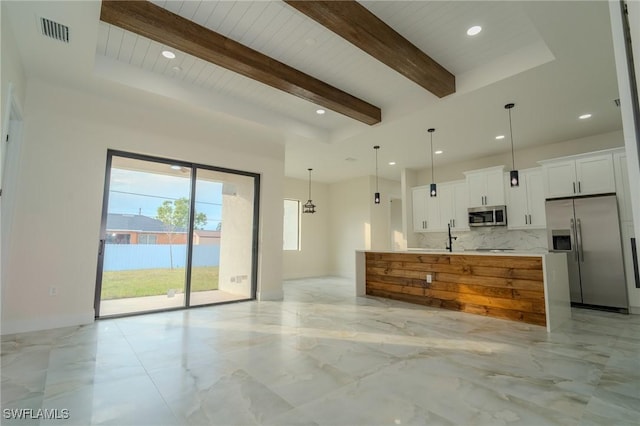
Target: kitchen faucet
x=450 y=246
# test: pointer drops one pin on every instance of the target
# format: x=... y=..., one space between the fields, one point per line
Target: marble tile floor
x=325 y=357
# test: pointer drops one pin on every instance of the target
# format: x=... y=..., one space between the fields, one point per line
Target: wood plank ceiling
x=158 y=24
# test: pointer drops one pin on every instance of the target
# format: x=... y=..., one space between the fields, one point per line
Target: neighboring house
x=140 y=229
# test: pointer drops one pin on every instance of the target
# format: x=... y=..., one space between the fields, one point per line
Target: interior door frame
x=193 y=167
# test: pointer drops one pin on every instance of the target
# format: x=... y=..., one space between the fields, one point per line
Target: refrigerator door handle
x=575 y=238
x=579 y=235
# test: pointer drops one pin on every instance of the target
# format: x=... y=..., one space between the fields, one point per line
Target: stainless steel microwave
x=488 y=216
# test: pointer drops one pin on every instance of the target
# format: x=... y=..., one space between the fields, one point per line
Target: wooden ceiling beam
x=359 y=26
x=148 y=20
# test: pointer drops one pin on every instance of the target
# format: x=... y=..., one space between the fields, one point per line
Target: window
x=115 y=238
x=147 y=239
x=291 y=229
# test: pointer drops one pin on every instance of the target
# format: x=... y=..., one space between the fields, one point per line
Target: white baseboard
x=634 y=310
x=273 y=295
x=38 y=324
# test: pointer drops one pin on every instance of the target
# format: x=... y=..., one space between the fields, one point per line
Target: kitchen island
x=525 y=287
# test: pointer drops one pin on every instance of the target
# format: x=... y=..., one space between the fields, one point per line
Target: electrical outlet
x=53 y=291
x=429 y=278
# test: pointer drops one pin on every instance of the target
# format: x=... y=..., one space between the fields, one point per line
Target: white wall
x=11 y=75
x=630 y=126
x=381 y=213
x=58 y=208
x=11 y=70
x=350 y=223
x=525 y=158
x=356 y=222
x=312 y=259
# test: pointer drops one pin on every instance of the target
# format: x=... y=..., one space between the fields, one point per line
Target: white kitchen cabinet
x=453 y=201
x=486 y=187
x=579 y=175
x=426 y=215
x=525 y=203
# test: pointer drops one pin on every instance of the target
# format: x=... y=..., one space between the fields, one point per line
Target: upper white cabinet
x=486 y=187
x=434 y=214
x=453 y=198
x=580 y=175
x=426 y=215
x=525 y=203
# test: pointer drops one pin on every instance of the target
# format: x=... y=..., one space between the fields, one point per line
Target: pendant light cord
x=376 y=148
x=432 y=179
x=513 y=160
x=310 y=184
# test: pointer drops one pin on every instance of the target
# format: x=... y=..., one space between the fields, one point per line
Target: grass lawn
x=154 y=282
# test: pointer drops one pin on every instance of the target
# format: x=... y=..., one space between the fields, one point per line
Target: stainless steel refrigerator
x=588 y=230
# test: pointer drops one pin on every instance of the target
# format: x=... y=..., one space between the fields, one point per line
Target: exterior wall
x=236 y=241
x=62 y=180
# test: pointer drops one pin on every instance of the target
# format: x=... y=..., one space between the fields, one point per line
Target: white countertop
x=534 y=253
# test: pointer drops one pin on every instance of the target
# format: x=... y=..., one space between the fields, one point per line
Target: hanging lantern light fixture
x=513 y=174
x=376 y=196
x=309 y=207
x=433 y=191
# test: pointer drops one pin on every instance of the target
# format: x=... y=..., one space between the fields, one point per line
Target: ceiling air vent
x=54 y=30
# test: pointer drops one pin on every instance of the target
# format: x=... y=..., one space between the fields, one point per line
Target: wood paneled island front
x=530 y=288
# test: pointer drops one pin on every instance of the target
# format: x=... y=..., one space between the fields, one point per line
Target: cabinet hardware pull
x=454 y=223
x=525 y=220
x=579 y=187
x=574 y=187
x=529 y=219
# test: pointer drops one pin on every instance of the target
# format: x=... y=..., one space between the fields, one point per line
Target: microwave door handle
x=579 y=234
x=574 y=237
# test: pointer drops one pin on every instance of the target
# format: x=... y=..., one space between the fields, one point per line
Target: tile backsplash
x=490 y=237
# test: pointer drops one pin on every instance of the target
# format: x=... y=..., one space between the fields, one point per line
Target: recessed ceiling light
x=392 y=163
x=500 y=137
x=320 y=111
x=176 y=167
x=438 y=152
x=176 y=68
x=475 y=30
x=168 y=54
x=584 y=116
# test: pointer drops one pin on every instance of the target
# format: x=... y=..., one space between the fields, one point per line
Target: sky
x=135 y=192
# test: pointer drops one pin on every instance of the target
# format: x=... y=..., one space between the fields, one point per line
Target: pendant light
x=309 y=207
x=513 y=174
x=376 y=196
x=433 y=191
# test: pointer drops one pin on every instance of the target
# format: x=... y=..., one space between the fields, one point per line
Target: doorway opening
x=175 y=235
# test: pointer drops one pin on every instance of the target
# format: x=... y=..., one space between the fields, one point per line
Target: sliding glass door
x=174 y=235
